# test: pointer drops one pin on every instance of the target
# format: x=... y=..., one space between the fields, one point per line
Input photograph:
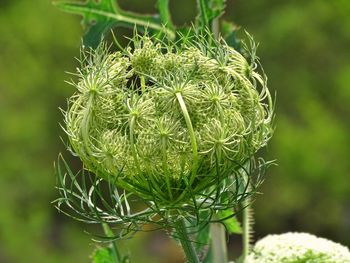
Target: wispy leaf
x=209 y=10
x=103 y=255
x=100 y=16
x=230 y=221
x=165 y=16
x=229 y=33
x=216 y=8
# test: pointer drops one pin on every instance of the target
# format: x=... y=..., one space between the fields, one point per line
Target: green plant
x=174 y=119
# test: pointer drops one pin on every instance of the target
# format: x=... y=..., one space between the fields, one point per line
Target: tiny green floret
x=164 y=117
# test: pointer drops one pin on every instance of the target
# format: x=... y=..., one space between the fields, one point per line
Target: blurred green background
x=305 y=50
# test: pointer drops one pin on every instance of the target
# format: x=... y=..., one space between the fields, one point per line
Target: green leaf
x=209 y=10
x=229 y=33
x=230 y=221
x=165 y=16
x=203 y=238
x=103 y=255
x=216 y=8
x=100 y=16
x=203 y=13
x=203 y=245
x=209 y=256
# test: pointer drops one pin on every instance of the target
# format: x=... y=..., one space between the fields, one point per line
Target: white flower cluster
x=298 y=248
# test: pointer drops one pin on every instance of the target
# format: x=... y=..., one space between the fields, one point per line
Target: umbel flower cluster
x=169 y=121
x=298 y=247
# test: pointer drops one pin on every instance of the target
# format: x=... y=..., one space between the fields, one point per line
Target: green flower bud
x=165 y=121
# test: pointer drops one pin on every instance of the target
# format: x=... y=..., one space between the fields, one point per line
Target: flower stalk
x=218 y=243
x=186 y=242
x=109 y=233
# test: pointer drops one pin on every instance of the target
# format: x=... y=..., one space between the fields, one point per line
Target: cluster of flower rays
x=175 y=124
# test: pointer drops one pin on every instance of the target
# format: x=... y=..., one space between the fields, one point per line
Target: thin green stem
x=132 y=143
x=165 y=16
x=247 y=221
x=191 y=134
x=123 y=18
x=203 y=14
x=85 y=123
x=247 y=230
x=183 y=236
x=132 y=124
x=245 y=237
x=215 y=27
x=109 y=233
x=165 y=167
x=143 y=84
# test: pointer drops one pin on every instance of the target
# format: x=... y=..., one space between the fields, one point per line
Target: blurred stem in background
x=218 y=232
x=218 y=243
x=115 y=252
x=247 y=220
x=186 y=242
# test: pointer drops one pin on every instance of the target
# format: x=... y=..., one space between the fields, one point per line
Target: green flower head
x=167 y=120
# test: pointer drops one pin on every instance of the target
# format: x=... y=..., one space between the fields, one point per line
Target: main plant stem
x=108 y=232
x=186 y=243
x=219 y=247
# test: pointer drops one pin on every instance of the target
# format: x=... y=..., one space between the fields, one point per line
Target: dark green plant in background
x=100 y=16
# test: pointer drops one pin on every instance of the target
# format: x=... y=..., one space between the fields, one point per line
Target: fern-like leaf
x=101 y=16
x=209 y=10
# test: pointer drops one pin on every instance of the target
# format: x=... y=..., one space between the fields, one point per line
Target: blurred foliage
x=34 y=52
x=99 y=17
x=305 y=52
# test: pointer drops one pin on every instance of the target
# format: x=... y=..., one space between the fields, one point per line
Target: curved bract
x=297 y=248
x=168 y=121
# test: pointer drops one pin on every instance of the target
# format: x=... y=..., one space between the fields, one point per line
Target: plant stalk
x=216 y=27
x=164 y=12
x=186 y=243
x=218 y=232
x=202 y=6
x=108 y=232
x=246 y=233
x=218 y=243
x=247 y=221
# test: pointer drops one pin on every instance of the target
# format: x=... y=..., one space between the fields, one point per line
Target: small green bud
x=158 y=117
